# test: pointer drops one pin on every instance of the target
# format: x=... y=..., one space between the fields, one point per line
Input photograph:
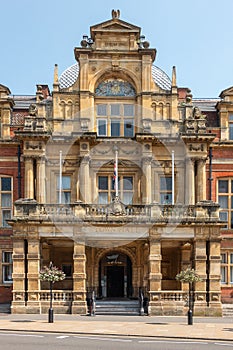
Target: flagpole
x=173 y=178
x=60 y=176
x=116 y=174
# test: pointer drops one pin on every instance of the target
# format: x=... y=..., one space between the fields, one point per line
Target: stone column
x=18 y=303
x=190 y=182
x=29 y=178
x=155 y=276
x=40 y=188
x=201 y=180
x=79 y=305
x=85 y=189
x=146 y=183
x=200 y=268
x=33 y=259
x=215 y=306
x=186 y=251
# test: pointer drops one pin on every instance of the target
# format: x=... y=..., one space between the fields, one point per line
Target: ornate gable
x=227 y=95
x=110 y=33
x=115 y=25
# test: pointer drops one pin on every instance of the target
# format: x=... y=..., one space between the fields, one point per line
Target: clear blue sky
x=196 y=36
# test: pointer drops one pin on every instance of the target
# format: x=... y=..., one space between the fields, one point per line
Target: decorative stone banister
x=203 y=211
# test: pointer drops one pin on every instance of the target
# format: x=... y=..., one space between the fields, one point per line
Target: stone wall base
x=214 y=309
x=25 y=308
x=178 y=308
x=79 y=308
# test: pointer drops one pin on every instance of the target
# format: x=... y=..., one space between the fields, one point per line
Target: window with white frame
x=225 y=199
x=7 y=267
x=231 y=126
x=64 y=189
x=227 y=267
x=106 y=190
x=115 y=119
x=165 y=190
x=5 y=200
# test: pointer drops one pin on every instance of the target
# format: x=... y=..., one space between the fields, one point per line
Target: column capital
x=147 y=160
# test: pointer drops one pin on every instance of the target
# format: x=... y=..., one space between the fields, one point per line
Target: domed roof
x=70 y=75
x=161 y=78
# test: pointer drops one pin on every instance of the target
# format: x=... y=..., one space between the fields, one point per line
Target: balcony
x=203 y=211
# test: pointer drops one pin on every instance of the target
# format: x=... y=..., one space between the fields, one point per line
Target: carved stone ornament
x=116 y=14
x=196 y=147
x=117 y=207
x=115 y=87
x=33 y=110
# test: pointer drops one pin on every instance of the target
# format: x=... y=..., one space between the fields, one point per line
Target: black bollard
x=50 y=315
x=190 y=317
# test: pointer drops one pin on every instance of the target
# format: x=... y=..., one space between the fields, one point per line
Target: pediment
x=228 y=91
x=115 y=25
x=4 y=89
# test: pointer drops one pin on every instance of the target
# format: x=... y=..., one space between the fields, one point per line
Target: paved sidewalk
x=145 y=326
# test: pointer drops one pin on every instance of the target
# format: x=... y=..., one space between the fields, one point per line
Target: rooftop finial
x=173 y=76
x=55 y=78
x=115 y=13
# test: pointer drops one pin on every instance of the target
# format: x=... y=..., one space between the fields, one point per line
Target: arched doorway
x=115 y=276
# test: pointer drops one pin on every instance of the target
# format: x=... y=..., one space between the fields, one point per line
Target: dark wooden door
x=115 y=281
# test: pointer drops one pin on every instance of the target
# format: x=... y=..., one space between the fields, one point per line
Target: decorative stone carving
x=146 y=123
x=33 y=109
x=115 y=87
x=117 y=207
x=116 y=14
x=196 y=122
x=194 y=147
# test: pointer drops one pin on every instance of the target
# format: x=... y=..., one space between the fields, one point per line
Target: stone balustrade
x=204 y=211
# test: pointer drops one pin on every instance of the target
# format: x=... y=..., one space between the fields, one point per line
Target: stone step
x=5 y=308
x=111 y=307
x=227 y=310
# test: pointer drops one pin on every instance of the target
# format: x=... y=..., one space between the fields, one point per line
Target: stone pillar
x=29 y=178
x=186 y=251
x=146 y=183
x=190 y=182
x=19 y=296
x=85 y=189
x=33 y=260
x=215 y=306
x=155 y=276
x=79 y=305
x=40 y=188
x=201 y=180
x=200 y=268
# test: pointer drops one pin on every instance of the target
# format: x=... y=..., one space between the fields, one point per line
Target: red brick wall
x=227 y=295
x=5 y=294
x=9 y=167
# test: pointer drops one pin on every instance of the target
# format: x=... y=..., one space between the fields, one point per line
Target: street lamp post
x=51 y=274
x=189 y=276
x=50 y=320
x=190 y=303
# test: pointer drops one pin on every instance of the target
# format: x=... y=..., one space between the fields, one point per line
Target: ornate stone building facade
x=113 y=176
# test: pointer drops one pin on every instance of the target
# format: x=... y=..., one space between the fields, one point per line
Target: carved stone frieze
x=196 y=147
x=33 y=145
